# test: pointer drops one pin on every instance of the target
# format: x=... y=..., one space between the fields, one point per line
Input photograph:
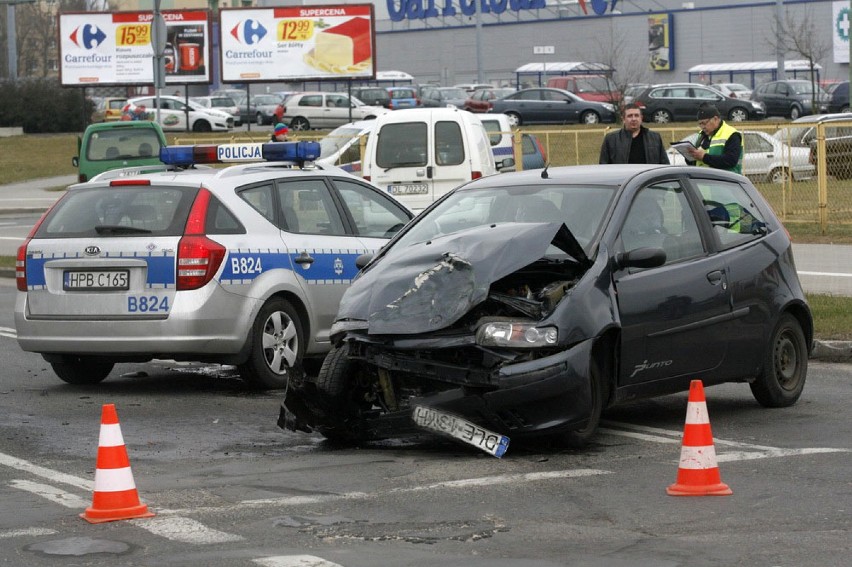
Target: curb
x=832 y=351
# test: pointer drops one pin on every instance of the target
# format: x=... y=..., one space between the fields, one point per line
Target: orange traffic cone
x=115 y=496
x=698 y=473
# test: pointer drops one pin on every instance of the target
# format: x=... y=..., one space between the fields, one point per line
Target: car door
x=560 y=108
x=759 y=157
x=171 y=118
x=336 y=111
x=674 y=317
x=531 y=106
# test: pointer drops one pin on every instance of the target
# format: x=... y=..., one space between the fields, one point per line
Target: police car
x=241 y=265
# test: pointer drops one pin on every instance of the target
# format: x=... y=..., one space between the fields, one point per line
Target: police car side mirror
x=640 y=258
x=363 y=260
x=507 y=162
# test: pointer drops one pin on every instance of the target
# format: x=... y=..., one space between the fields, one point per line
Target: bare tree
x=629 y=65
x=798 y=34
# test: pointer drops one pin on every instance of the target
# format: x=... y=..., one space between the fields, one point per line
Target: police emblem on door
x=338 y=266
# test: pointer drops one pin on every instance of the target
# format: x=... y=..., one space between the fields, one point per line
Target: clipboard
x=683 y=148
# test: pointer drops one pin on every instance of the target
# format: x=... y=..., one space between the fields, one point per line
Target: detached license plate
x=87 y=280
x=409 y=189
x=461 y=429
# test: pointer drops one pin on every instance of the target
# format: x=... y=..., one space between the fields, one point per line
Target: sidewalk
x=33 y=197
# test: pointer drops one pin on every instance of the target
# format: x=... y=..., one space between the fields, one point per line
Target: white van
x=419 y=154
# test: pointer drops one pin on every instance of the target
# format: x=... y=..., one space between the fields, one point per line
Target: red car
x=480 y=100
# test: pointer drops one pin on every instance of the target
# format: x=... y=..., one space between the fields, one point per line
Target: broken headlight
x=515 y=335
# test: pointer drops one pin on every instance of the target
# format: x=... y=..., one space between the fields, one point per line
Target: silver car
x=243 y=265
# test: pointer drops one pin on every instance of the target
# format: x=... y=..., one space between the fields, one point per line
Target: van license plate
x=461 y=429
x=103 y=280
x=409 y=189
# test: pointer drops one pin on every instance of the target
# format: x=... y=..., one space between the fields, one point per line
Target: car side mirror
x=640 y=258
x=75 y=161
x=363 y=260
x=506 y=163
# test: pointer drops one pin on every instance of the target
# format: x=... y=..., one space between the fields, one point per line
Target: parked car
x=791 y=98
x=470 y=87
x=266 y=107
x=307 y=110
x=373 y=96
x=839 y=101
x=803 y=133
x=733 y=90
x=342 y=147
x=442 y=96
x=588 y=87
x=522 y=306
x=766 y=158
x=175 y=114
x=480 y=99
x=242 y=266
x=114 y=145
x=551 y=106
x=631 y=91
x=403 y=97
x=680 y=101
x=108 y=109
x=222 y=102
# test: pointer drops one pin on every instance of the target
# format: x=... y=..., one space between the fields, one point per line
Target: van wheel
x=82 y=370
x=795 y=112
x=201 y=126
x=276 y=347
x=300 y=123
x=514 y=119
x=590 y=117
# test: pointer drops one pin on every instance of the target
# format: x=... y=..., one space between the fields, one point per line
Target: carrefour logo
x=249 y=32
x=599 y=6
x=88 y=36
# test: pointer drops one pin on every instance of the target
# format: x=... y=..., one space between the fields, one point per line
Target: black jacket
x=616 y=147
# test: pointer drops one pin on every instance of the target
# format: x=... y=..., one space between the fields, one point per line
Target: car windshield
x=593 y=85
x=266 y=99
x=450 y=92
x=795 y=135
x=337 y=139
x=804 y=88
x=580 y=207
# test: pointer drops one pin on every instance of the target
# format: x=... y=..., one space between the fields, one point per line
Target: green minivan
x=113 y=145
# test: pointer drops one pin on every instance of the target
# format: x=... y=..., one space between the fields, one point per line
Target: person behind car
x=279 y=133
x=719 y=144
x=634 y=143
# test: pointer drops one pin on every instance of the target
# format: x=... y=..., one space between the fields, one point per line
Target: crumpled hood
x=431 y=285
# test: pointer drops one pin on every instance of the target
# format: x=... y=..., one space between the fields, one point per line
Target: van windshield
x=124 y=144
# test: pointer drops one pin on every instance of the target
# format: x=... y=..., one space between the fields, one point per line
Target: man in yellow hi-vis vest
x=719 y=145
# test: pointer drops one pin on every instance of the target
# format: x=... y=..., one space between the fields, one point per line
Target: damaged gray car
x=524 y=304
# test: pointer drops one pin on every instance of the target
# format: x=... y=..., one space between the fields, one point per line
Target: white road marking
x=52 y=493
x=184 y=530
x=827 y=274
x=18 y=238
x=295 y=561
x=27 y=532
x=11 y=333
x=46 y=473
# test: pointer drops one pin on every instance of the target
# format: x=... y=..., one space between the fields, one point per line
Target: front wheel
x=300 y=124
x=514 y=119
x=82 y=370
x=738 y=115
x=795 y=112
x=785 y=366
x=579 y=438
x=201 y=126
x=662 y=116
x=336 y=381
x=275 y=347
x=590 y=117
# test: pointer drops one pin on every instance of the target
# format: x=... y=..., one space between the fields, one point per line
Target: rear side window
x=402 y=145
x=119 y=211
x=123 y=143
x=449 y=147
x=494 y=132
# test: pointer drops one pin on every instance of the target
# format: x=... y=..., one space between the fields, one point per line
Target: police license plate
x=105 y=280
x=409 y=189
x=461 y=429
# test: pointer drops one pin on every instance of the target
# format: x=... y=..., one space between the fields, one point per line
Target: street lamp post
x=11 y=36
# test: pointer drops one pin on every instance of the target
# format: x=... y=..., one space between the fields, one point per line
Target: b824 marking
x=147 y=304
x=246 y=265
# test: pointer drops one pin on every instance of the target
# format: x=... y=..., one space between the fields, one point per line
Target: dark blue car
x=552 y=106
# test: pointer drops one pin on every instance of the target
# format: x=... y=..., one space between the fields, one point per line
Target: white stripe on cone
x=696 y=413
x=110 y=436
x=698 y=457
x=114 y=480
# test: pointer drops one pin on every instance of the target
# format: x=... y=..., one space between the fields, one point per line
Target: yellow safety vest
x=717 y=145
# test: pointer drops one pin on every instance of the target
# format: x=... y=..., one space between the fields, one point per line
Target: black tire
x=662 y=116
x=779 y=175
x=300 y=124
x=333 y=381
x=579 y=438
x=590 y=117
x=738 y=114
x=785 y=366
x=844 y=108
x=202 y=126
x=795 y=112
x=514 y=119
x=276 y=347
x=82 y=370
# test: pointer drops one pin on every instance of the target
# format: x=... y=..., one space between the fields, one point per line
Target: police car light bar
x=293 y=152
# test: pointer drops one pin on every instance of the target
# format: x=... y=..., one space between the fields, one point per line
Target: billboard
x=840 y=24
x=297 y=43
x=661 y=42
x=115 y=48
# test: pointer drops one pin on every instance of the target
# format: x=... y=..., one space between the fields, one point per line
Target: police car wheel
x=82 y=370
x=276 y=347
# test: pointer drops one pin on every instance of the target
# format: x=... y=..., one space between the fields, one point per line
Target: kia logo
x=92 y=250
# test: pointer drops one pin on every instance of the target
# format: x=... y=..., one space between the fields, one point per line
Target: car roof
x=823 y=118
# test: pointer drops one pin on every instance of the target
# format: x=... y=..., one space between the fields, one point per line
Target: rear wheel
x=82 y=370
x=514 y=119
x=662 y=116
x=300 y=123
x=844 y=108
x=276 y=347
x=738 y=115
x=590 y=117
x=785 y=366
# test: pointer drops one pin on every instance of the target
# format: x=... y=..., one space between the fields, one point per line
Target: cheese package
x=345 y=45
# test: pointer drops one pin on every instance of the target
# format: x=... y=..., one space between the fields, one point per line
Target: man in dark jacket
x=634 y=143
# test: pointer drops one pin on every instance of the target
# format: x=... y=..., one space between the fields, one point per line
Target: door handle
x=304 y=259
x=429 y=172
x=715 y=277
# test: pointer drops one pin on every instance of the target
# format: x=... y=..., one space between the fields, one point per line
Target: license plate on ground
x=461 y=429
x=409 y=189
x=102 y=280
